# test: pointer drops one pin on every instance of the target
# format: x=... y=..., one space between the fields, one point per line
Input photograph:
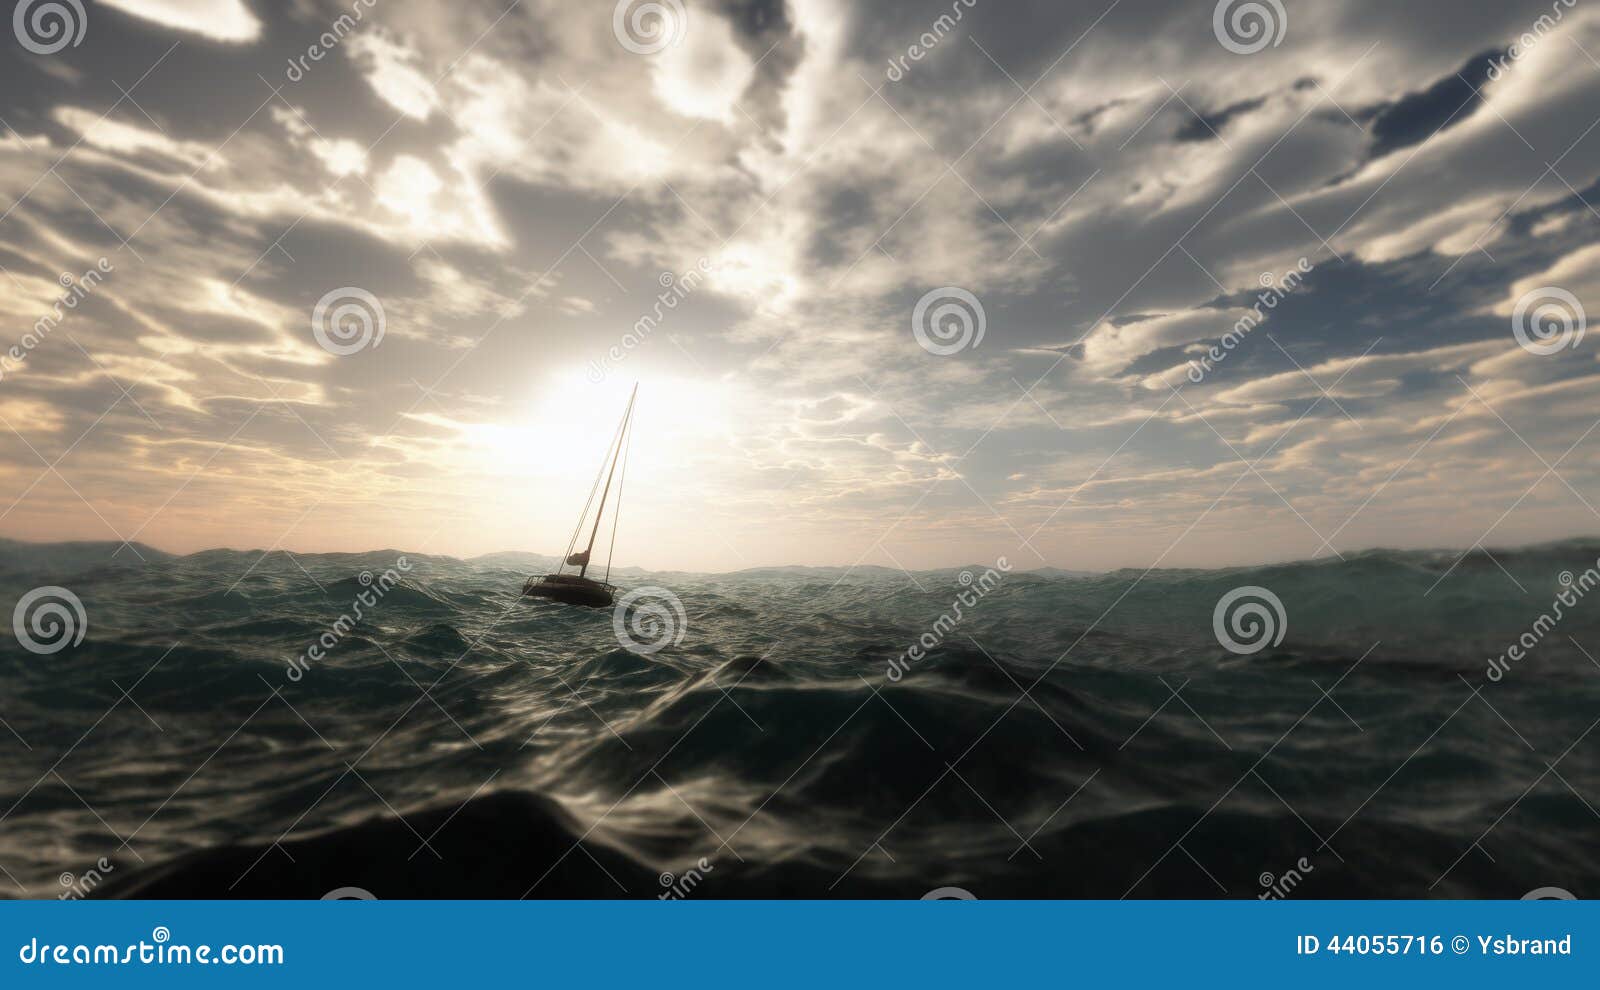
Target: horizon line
x=1461 y=553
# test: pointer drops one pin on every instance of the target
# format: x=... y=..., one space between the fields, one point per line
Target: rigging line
x=616 y=515
x=588 y=551
x=576 y=530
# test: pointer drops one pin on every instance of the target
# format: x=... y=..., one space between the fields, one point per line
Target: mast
x=614 y=458
x=611 y=552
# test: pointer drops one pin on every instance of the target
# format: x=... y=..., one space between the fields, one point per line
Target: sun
x=561 y=432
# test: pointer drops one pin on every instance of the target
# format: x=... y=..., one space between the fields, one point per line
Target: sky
x=1110 y=284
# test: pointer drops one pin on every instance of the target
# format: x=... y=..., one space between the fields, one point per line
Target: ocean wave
x=1067 y=736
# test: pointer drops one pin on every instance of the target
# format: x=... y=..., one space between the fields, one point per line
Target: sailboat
x=579 y=588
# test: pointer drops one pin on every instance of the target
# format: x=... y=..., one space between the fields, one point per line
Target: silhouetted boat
x=579 y=588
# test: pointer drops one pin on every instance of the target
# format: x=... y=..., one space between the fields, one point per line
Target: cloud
x=341 y=157
x=1357 y=377
x=705 y=74
x=392 y=70
x=1577 y=273
x=228 y=21
x=511 y=185
x=131 y=141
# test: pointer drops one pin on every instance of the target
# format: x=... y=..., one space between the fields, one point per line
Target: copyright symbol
x=1459 y=945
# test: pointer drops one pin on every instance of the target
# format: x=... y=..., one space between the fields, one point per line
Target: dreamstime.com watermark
x=974 y=591
x=45 y=27
x=648 y=620
x=1529 y=38
x=159 y=951
x=1276 y=888
x=347 y=320
x=674 y=290
x=376 y=588
x=1548 y=320
x=83 y=884
x=1245 y=27
x=1274 y=291
x=1248 y=619
x=681 y=885
x=930 y=39
x=342 y=27
x=49 y=619
x=646 y=27
x=77 y=290
x=1574 y=588
x=948 y=320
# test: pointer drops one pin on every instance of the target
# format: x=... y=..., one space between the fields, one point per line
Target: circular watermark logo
x=1247 y=27
x=1548 y=319
x=1248 y=619
x=47 y=27
x=161 y=934
x=1549 y=894
x=949 y=894
x=646 y=27
x=49 y=619
x=347 y=320
x=948 y=320
x=648 y=620
x=349 y=894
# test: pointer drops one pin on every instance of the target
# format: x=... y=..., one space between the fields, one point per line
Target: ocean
x=266 y=725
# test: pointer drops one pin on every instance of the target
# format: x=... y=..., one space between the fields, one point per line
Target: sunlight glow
x=542 y=459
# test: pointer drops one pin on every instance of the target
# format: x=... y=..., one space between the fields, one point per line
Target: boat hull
x=569 y=589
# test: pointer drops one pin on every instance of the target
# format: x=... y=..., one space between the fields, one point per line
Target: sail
x=608 y=472
x=580 y=589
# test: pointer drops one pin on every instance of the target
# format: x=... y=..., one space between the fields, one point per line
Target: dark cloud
x=1417 y=116
x=1207 y=127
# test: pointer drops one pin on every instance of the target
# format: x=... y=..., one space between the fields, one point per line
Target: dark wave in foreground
x=1069 y=736
x=516 y=845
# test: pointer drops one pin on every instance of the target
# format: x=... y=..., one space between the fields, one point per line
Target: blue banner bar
x=800 y=943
